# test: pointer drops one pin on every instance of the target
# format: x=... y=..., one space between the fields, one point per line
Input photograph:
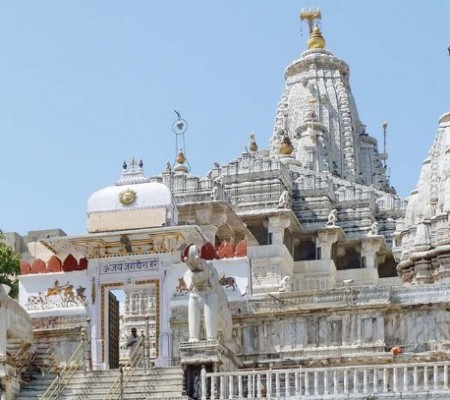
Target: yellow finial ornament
x=286 y=147
x=315 y=40
x=181 y=159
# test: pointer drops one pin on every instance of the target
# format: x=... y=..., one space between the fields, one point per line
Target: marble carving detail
x=207 y=297
x=57 y=296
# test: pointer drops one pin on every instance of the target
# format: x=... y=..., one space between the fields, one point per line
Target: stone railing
x=14 y=320
x=367 y=381
x=332 y=298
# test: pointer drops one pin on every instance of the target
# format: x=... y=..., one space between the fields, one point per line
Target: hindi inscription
x=150 y=264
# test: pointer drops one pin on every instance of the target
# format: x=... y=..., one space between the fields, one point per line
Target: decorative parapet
x=339 y=297
x=314 y=275
x=54 y=264
x=336 y=298
x=206 y=351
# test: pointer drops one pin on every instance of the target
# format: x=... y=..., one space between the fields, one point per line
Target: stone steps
x=157 y=383
x=36 y=387
x=44 y=358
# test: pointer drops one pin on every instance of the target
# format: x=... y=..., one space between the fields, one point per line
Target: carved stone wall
x=140 y=312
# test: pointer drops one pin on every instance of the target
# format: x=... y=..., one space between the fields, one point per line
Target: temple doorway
x=125 y=307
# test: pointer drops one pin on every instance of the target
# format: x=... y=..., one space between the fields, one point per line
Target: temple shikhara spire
x=294 y=270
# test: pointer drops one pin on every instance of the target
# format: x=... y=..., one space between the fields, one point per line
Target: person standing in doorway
x=132 y=341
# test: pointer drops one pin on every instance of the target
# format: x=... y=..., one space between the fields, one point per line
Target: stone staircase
x=157 y=383
x=19 y=354
x=45 y=360
x=36 y=387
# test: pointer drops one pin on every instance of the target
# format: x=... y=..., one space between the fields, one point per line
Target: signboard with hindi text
x=149 y=264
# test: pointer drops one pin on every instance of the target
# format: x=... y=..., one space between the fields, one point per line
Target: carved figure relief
x=182 y=287
x=127 y=197
x=57 y=296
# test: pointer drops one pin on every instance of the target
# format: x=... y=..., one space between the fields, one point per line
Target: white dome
x=146 y=195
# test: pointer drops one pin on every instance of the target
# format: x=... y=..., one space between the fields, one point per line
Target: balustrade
x=327 y=383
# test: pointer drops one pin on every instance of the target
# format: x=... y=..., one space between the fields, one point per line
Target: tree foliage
x=9 y=266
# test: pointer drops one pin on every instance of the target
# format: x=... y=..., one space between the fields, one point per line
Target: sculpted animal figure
x=284 y=285
x=207 y=297
x=228 y=281
x=332 y=218
x=182 y=287
x=284 y=200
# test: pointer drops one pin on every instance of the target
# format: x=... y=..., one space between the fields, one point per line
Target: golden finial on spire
x=181 y=159
x=316 y=40
x=286 y=147
x=252 y=145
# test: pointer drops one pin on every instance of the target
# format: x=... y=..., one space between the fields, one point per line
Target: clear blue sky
x=87 y=84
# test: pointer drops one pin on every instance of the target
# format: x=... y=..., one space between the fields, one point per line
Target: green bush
x=9 y=266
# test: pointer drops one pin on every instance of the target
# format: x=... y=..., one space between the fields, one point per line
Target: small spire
x=133 y=163
x=132 y=173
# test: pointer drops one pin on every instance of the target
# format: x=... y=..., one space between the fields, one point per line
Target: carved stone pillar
x=327 y=237
x=369 y=249
x=277 y=225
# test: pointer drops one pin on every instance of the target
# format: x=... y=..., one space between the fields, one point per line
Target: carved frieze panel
x=57 y=296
